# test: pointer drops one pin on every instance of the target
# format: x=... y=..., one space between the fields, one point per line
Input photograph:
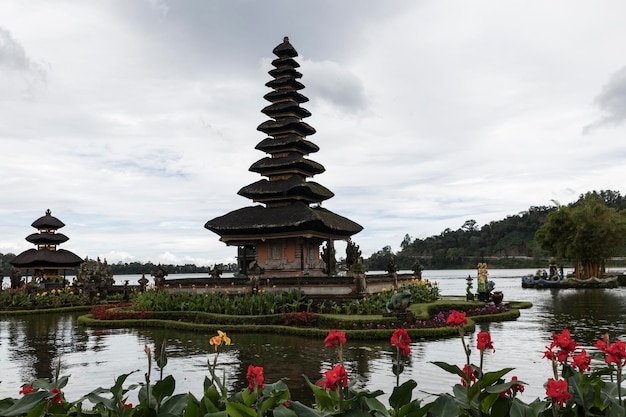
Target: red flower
x=557 y=391
x=334 y=377
x=456 y=318
x=335 y=338
x=483 y=341
x=128 y=405
x=564 y=341
x=57 y=398
x=565 y=345
x=603 y=343
x=616 y=353
x=26 y=389
x=513 y=389
x=581 y=361
x=255 y=378
x=469 y=372
x=401 y=340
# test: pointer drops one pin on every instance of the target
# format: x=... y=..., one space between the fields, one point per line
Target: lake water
x=31 y=346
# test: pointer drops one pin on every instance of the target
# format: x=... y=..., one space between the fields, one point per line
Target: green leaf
x=193 y=407
x=402 y=394
x=282 y=411
x=444 y=406
x=453 y=369
x=534 y=409
x=322 y=398
x=164 y=388
x=217 y=414
x=109 y=403
x=302 y=410
x=27 y=403
x=175 y=404
x=491 y=378
x=239 y=410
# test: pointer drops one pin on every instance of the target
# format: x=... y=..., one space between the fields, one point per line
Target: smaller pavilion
x=46 y=260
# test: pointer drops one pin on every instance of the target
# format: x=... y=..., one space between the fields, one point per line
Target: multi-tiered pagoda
x=46 y=260
x=284 y=235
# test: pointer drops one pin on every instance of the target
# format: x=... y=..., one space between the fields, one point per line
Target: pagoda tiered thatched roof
x=292 y=201
x=47 y=255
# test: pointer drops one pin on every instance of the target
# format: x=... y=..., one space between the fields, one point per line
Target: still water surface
x=31 y=346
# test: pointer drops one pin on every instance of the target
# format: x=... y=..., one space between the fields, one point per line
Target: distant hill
x=508 y=243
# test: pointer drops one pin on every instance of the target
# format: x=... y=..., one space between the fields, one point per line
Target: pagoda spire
x=286 y=168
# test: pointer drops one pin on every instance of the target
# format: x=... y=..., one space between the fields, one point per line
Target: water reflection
x=585 y=312
x=31 y=345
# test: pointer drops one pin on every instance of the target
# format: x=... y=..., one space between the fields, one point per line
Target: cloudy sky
x=134 y=122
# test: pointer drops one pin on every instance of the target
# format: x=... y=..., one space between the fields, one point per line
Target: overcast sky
x=134 y=122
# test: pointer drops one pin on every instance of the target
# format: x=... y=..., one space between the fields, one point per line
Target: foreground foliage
x=574 y=389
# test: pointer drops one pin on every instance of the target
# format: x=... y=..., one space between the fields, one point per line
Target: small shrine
x=46 y=260
x=282 y=236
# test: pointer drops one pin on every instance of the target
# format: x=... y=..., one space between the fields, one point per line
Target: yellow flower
x=219 y=339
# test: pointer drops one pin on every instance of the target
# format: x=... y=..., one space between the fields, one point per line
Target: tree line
x=507 y=243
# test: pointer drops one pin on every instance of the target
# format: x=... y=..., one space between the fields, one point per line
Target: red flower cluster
x=483 y=341
x=565 y=345
x=26 y=389
x=334 y=378
x=513 y=389
x=57 y=397
x=557 y=390
x=456 y=318
x=615 y=352
x=401 y=340
x=255 y=378
x=335 y=338
x=470 y=376
x=581 y=361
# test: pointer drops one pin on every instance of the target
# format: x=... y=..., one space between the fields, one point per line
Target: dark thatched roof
x=297 y=217
x=47 y=238
x=293 y=163
x=48 y=221
x=293 y=188
x=33 y=258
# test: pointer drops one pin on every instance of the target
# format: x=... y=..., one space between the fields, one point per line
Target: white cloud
x=612 y=102
x=141 y=119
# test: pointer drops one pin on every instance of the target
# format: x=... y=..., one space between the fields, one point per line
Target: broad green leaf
x=491 y=378
x=444 y=406
x=27 y=403
x=239 y=410
x=402 y=394
x=453 y=369
x=302 y=410
x=193 y=407
x=174 y=405
x=282 y=411
x=164 y=388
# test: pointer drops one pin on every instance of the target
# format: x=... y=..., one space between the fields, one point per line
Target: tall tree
x=587 y=233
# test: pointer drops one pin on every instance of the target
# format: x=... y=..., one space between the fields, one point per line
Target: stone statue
x=353 y=254
x=159 y=275
x=417 y=270
x=328 y=256
x=16 y=278
x=143 y=282
x=215 y=272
